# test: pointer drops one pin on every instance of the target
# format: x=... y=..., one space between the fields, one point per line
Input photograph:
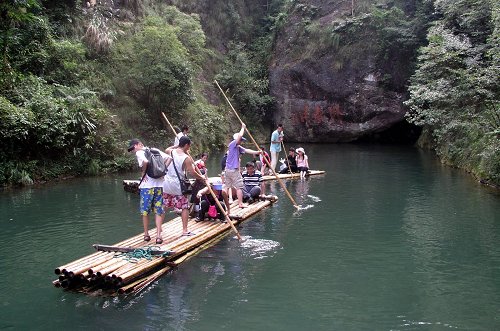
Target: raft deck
x=105 y=273
x=132 y=186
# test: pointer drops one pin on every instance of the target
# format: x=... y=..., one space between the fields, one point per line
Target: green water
x=391 y=240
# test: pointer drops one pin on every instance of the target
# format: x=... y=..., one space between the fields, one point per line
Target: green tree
x=246 y=78
x=152 y=66
x=455 y=90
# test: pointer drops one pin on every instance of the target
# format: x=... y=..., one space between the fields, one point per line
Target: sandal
x=188 y=234
x=159 y=241
x=147 y=237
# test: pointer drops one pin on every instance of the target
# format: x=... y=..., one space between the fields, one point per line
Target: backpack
x=156 y=163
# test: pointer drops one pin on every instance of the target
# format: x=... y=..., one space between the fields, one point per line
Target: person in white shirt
x=151 y=191
x=184 y=133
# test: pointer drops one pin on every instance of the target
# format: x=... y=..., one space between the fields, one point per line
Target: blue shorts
x=151 y=200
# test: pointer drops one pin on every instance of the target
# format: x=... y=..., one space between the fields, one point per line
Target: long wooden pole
x=255 y=143
x=226 y=215
x=287 y=160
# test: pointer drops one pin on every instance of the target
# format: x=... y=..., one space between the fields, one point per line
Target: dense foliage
x=455 y=90
x=60 y=92
x=76 y=82
x=50 y=123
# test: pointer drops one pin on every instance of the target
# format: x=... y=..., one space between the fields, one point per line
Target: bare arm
x=190 y=167
x=251 y=151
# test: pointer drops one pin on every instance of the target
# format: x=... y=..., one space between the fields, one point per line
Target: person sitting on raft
x=302 y=162
x=291 y=161
x=201 y=163
x=198 y=184
x=207 y=201
x=252 y=183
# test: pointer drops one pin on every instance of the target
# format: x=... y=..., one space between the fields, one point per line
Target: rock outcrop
x=321 y=98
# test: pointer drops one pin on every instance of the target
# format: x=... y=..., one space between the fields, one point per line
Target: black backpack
x=156 y=163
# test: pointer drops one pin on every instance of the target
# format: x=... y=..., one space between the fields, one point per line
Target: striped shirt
x=252 y=180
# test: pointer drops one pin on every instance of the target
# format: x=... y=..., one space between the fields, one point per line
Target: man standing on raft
x=276 y=139
x=232 y=175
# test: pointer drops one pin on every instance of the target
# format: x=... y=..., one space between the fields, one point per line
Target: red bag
x=212 y=211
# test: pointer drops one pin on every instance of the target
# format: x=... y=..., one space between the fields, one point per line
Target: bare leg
x=159 y=221
x=184 y=217
x=145 y=222
x=239 y=194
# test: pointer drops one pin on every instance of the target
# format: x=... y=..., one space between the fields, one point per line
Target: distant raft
x=131 y=265
x=132 y=186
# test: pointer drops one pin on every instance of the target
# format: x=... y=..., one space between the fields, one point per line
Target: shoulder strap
x=176 y=172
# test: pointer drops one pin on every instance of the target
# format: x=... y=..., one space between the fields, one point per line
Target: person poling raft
x=219 y=206
x=255 y=143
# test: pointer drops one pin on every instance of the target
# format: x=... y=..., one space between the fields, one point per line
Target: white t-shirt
x=177 y=137
x=171 y=185
x=149 y=182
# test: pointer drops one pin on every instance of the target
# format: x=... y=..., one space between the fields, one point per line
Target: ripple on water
x=259 y=248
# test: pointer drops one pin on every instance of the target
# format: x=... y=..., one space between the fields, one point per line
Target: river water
x=389 y=240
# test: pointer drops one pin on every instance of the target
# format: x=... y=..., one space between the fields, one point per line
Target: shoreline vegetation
x=77 y=82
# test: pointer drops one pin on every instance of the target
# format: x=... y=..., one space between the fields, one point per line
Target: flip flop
x=159 y=241
x=147 y=238
x=188 y=234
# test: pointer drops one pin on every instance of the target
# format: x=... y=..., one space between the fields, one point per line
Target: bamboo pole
x=257 y=145
x=286 y=157
x=222 y=210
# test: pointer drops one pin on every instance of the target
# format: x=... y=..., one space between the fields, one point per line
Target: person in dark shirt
x=291 y=160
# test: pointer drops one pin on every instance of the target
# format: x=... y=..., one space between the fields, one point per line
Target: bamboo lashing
x=255 y=143
x=216 y=199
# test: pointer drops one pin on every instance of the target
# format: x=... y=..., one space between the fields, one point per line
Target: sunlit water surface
x=388 y=239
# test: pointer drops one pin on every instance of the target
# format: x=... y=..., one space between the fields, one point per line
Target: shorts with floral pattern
x=175 y=201
x=151 y=200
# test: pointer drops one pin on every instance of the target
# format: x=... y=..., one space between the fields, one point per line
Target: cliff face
x=328 y=78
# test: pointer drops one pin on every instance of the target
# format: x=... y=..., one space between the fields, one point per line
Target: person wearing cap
x=151 y=190
x=253 y=185
x=302 y=162
x=172 y=193
x=291 y=162
x=275 y=149
x=232 y=175
x=183 y=133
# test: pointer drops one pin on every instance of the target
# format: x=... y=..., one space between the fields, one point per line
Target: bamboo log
x=63 y=268
x=106 y=248
x=111 y=268
x=87 y=258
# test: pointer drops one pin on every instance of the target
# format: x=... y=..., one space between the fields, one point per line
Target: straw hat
x=300 y=149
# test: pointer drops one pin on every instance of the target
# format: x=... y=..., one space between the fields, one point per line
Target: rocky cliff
x=333 y=76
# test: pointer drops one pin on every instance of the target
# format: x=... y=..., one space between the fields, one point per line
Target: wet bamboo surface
x=130 y=185
x=103 y=273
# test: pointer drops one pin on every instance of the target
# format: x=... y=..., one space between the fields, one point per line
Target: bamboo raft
x=106 y=273
x=132 y=186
